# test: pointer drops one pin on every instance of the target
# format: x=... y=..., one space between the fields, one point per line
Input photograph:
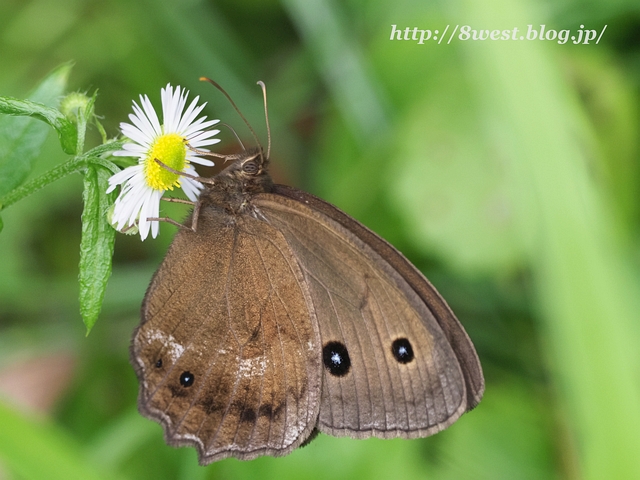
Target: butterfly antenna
x=266 y=115
x=205 y=79
x=207 y=153
x=235 y=135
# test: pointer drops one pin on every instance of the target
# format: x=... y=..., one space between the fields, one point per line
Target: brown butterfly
x=277 y=315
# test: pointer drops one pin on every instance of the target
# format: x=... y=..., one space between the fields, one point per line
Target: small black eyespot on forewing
x=187 y=379
x=402 y=350
x=159 y=363
x=336 y=359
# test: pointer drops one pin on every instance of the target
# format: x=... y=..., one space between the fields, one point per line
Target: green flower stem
x=110 y=166
x=72 y=166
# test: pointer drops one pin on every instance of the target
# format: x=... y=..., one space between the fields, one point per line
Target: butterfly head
x=247 y=165
x=246 y=173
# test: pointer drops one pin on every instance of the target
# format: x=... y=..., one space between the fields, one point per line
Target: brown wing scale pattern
x=247 y=344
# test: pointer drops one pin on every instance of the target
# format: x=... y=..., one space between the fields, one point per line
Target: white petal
x=178 y=111
x=135 y=134
x=130 y=201
x=132 y=150
x=190 y=114
x=200 y=161
x=203 y=138
x=201 y=133
x=145 y=224
x=198 y=125
x=151 y=114
x=166 y=97
x=191 y=188
x=172 y=104
x=155 y=212
x=142 y=123
x=123 y=176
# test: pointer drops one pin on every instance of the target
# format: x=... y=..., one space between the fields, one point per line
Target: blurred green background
x=506 y=171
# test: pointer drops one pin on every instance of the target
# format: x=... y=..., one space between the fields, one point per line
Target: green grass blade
x=586 y=292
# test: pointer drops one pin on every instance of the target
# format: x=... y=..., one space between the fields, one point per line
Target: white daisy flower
x=144 y=184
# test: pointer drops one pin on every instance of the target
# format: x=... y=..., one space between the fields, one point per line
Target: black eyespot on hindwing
x=187 y=379
x=402 y=350
x=336 y=359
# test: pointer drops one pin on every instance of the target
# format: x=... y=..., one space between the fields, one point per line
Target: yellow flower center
x=171 y=150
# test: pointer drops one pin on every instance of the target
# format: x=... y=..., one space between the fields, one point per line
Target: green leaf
x=21 y=138
x=67 y=131
x=96 y=245
x=36 y=449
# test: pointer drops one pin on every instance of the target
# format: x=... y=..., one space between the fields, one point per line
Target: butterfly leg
x=194 y=216
x=168 y=220
x=178 y=200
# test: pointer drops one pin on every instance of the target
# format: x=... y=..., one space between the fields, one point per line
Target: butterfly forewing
x=229 y=361
x=362 y=303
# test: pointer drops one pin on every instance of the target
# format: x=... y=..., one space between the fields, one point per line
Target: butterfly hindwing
x=404 y=377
